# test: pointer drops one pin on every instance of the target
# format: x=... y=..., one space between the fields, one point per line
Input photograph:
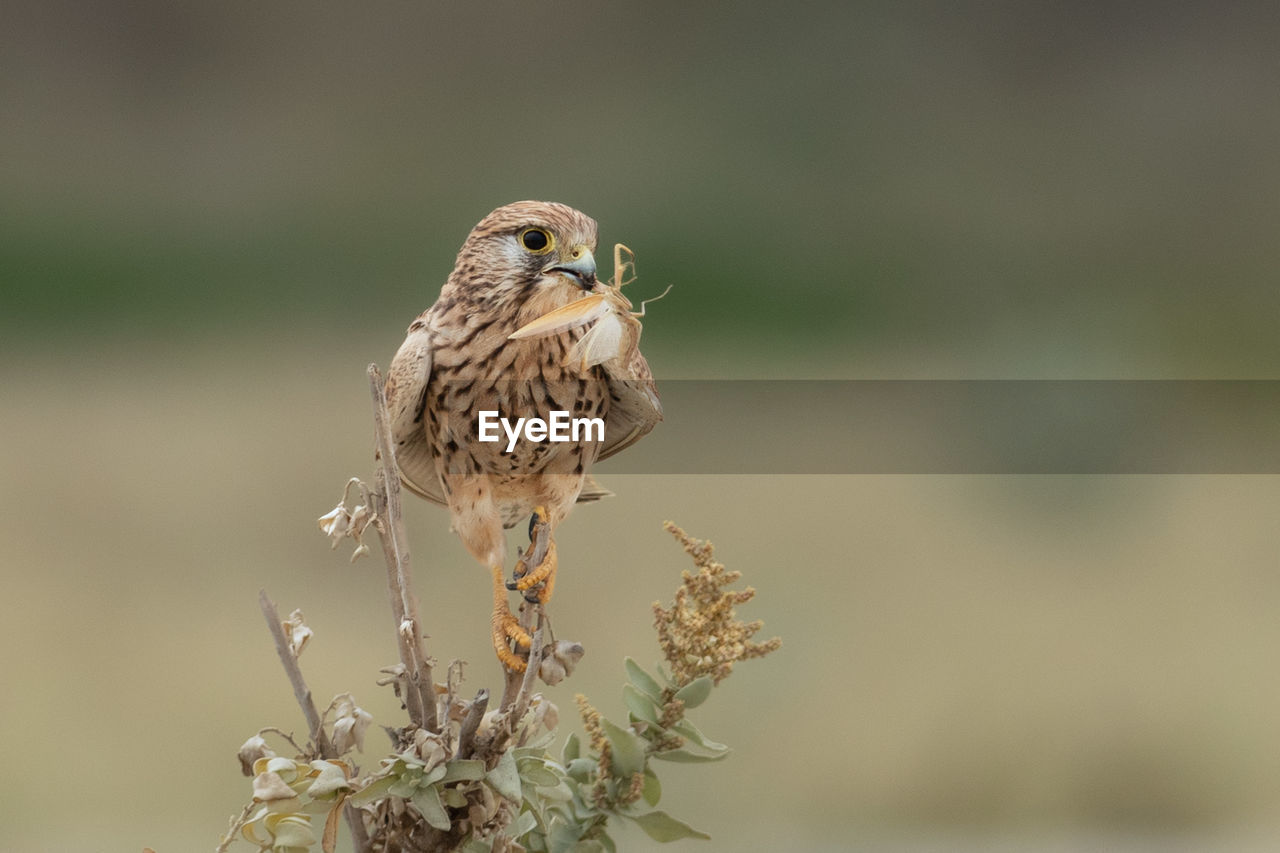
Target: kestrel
x=519 y=264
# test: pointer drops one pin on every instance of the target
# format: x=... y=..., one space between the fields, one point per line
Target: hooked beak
x=580 y=266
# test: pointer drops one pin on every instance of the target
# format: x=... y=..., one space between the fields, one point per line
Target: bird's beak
x=578 y=264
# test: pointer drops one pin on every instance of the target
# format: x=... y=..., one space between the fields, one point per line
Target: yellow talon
x=544 y=573
x=505 y=625
x=541 y=548
x=540 y=578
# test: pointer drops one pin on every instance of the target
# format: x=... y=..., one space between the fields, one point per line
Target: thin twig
x=359 y=838
x=453 y=678
x=420 y=699
x=409 y=695
x=512 y=711
x=301 y=691
x=236 y=825
x=470 y=723
x=286 y=735
x=530 y=674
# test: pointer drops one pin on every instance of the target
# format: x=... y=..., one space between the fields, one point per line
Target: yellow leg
x=505 y=625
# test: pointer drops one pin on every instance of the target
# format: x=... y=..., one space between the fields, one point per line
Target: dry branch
x=471 y=724
x=315 y=723
x=301 y=691
x=419 y=693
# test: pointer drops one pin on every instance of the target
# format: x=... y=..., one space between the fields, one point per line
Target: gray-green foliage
x=565 y=805
x=486 y=781
x=611 y=776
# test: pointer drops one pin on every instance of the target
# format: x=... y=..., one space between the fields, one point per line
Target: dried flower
x=335 y=523
x=700 y=634
x=269 y=786
x=291 y=792
x=349 y=723
x=559 y=660
x=591 y=723
x=341 y=523
x=545 y=712
x=280 y=832
x=295 y=628
x=429 y=748
x=330 y=780
x=250 y=751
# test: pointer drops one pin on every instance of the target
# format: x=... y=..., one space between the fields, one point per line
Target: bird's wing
x=634 y=407
x=406 y=391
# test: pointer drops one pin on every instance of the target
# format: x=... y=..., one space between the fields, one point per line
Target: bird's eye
x=536 y=240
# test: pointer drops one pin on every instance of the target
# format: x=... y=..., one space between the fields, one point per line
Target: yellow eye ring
x=537 y=240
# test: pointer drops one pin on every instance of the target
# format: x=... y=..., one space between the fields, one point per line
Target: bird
x=467 y=354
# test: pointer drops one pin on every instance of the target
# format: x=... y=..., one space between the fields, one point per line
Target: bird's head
x=528 y=248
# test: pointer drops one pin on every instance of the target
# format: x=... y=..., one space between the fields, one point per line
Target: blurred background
x=213 y=216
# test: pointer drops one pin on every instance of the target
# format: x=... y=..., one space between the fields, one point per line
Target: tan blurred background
x=213 y=216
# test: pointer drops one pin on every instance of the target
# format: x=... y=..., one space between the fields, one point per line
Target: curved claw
x=534 y=575
x=537 y=565
x=544 y=573
x=506 y=626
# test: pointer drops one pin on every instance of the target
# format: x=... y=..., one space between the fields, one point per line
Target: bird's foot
x=535 y=571
x=507 y=627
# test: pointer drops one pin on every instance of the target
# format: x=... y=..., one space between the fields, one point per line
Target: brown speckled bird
x=519 y=263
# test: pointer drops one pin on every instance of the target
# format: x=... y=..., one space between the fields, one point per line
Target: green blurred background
x=213 y=216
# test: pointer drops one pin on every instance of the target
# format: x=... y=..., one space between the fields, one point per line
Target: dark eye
x=535 y=240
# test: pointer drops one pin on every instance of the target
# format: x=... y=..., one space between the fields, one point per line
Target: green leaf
x=643 y=681
x=454 y=798
x=561 y=793
x=293 y=832
x=470 y=769
x=690 y=731
x=639 y=704
x=572 y=748
x=529 y=752
x=395 y=765
x=652 y=791
x=437 y=773
x=539 y=811
x=580 y=769
x=536 y=773
x=628 y=750
x=607 y=842
x=589 y=846
x=695 y=692
x=476 y=845
x=375 y=790
x=580 y=810
x=543 y=740
x=521 y=825
x=409 y=758
x=535 y=842
x=561 y=837
x=505 y=778
x=663 y=827
x=684 y=756
x=403 y=787
x=427 y=801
